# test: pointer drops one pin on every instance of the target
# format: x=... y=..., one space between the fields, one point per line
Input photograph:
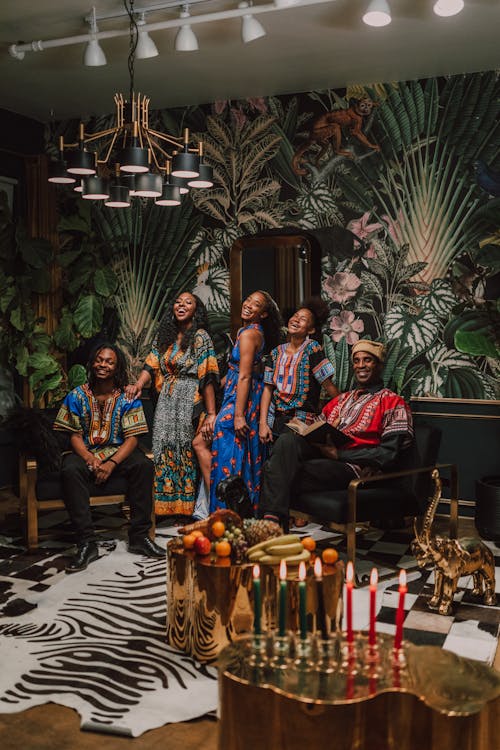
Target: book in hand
x=318 y=432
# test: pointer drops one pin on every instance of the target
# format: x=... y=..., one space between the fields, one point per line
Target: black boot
x=85 y=554
x=144 y=546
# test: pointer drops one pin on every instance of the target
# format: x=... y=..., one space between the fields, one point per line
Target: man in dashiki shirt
x=378 y=421
x=103 y=429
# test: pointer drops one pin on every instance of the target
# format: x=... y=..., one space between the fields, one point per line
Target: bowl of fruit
x=225 y=536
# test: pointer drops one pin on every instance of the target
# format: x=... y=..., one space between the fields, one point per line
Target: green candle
x=283 y=599
x=302 y=601
x=257 y=601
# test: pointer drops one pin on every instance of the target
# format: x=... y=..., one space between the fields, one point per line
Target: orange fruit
x=223 y=549
x=218 y=529
x=197 y=533
x=329 y=555
x=308 y=543
x=188 y=541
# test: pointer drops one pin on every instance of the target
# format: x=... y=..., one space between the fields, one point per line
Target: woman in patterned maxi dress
x=236 y=449
x=183 y=368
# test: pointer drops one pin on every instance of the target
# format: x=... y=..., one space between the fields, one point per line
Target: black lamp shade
x=58 y=173
x=118 y=197
x=80 y=162
x=181 y=183
x=94 y=189
x=134 y=159
x=185 y=165
x=170 y=196
x=205 y=178
x=148 y=185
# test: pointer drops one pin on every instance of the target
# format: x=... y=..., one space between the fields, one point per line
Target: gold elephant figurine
x=452 y=558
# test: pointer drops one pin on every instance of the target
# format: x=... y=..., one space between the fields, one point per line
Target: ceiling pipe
x=18 y=51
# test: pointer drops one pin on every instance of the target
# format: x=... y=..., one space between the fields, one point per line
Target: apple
x=202 y=545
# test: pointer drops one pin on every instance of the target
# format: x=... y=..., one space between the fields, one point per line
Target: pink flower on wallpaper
x=346 y=324
x=370 y=252
x=258 y=103
x=341 y=286
x=362 y=229
x=394 y=227
x=239 y=117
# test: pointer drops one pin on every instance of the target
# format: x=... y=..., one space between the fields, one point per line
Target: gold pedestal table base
x=294 y=697
x=210 y=600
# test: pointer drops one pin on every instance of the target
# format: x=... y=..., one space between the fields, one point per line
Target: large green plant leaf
x=65 y=336
x=88 y=315
x=418 y=331
x=77 y=375
x=105 y=281
x=476 y=344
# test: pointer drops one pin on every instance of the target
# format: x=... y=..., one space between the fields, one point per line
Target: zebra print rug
x=95 y=642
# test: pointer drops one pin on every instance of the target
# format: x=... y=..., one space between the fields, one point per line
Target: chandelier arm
x=109 y=149
x=88 y=138
x=177 y=142
x=154 y=146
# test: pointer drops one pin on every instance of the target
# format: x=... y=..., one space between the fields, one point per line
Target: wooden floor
x=53 y=727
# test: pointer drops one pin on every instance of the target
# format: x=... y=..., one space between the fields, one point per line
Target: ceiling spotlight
x=93 y=56
x=251 y=29
x=145 y=45
x=378 y=13
x=186 y=40
x=448 y=7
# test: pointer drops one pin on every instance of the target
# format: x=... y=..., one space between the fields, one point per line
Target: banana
x=283 y=539
x=256 y=555
x=275 y=560
x=284 y=550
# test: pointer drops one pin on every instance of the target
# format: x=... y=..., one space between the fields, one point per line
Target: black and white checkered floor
x=472 y=630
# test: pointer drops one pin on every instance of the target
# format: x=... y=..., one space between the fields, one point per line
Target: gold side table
x=210 y=600
x=427 y=699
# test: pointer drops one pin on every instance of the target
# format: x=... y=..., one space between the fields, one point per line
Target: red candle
x=349 y=583
x=373 y=606
x=400 y=614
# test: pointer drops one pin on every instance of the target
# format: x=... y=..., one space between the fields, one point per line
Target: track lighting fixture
x=378 y=13
x=448 y=7
x=186 y=40
x=146 y=47
x=93 y=56
x=251 y=29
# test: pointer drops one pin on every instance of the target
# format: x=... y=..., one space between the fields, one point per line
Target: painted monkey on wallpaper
x=328 y=128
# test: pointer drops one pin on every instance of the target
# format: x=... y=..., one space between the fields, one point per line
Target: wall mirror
x=286 y=265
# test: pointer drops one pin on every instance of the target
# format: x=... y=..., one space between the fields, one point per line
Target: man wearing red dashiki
x=377 y=420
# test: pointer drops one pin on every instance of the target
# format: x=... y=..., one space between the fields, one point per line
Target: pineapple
x=258 y=530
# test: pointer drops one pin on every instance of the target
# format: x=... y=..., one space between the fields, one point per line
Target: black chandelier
x=147 y=163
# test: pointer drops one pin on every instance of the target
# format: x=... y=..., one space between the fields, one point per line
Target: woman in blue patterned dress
x=184 y=372
x=295 y=372
x=236 y=449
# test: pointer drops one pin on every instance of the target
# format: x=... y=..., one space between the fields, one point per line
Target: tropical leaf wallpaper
x=411 y=169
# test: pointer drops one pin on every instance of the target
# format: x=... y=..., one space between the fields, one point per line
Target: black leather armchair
x=382 y=498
